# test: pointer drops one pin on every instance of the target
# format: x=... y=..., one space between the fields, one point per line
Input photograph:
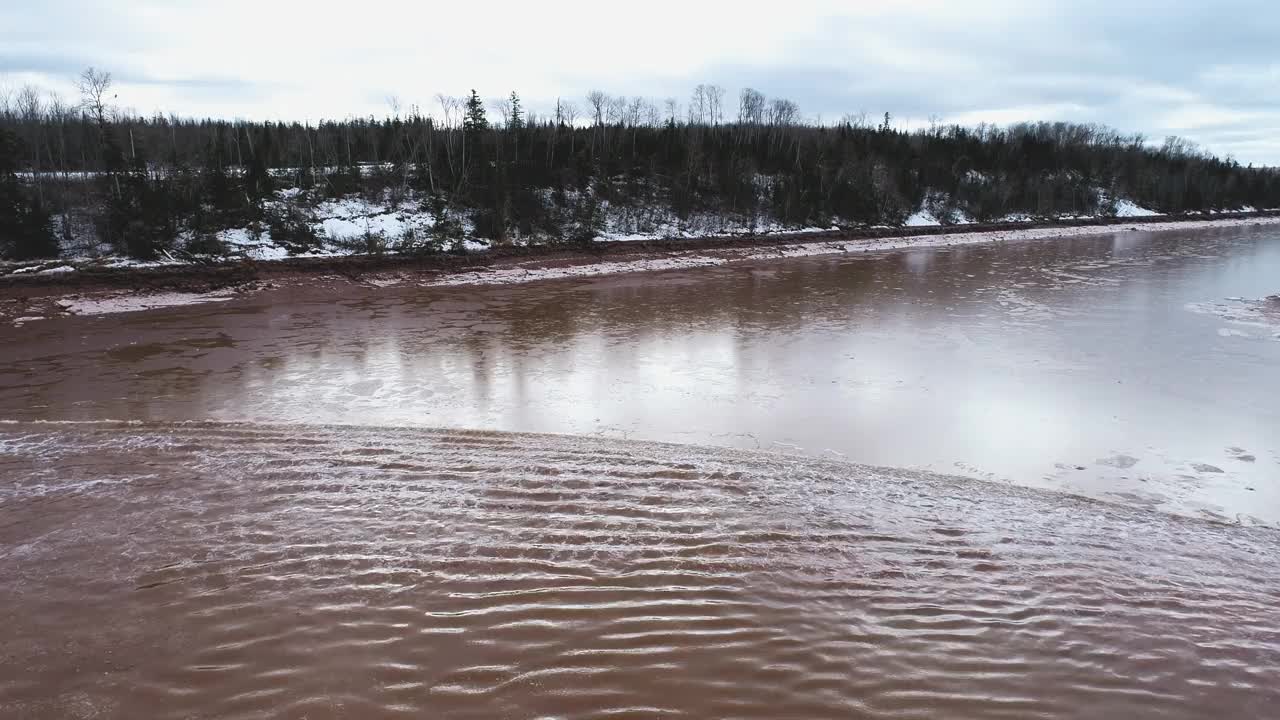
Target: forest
x=84 y=176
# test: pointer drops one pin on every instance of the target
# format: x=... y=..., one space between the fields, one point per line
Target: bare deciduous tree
x=858 y=120
x=783 y=112
x=616 y=111
x=652 y=115
x=569 y=111
x=450 y=109
x=705 y=105
x=451 y=112
x=30 y=107
x=503 y=107
x=635 y=111
x=599 y=102
x=698 y=106
x=751 y=107
x=30 y=104
x=715 y=103
x=94 y=85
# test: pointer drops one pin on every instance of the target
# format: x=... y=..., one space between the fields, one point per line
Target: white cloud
x=1026 y=113
x=1141 y=66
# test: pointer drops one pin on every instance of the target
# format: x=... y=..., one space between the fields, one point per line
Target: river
x=1006 y=480
x=1087 y=365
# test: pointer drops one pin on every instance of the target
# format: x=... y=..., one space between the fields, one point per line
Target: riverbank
x=37 y=292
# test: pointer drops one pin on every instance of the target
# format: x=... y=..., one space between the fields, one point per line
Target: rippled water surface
x=245 y=509
x=214 y=570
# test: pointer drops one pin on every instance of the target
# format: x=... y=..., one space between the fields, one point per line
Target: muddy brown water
x=1073 y=364
x=243 y=571
x=278 y=530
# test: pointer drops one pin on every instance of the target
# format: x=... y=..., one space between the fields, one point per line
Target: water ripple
x=235 y=570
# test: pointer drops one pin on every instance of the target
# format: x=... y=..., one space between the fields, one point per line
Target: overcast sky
x=1208 y=71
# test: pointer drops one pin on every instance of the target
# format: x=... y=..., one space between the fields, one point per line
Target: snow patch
x=136 y=303
x=921 y=218
x=351 y=218
x=268 y=253
x=251 y=244
x=131 y=263
x=1017 y=217
x=1128 y=208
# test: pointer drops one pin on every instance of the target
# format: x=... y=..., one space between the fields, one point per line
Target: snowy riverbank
x=52 y=292
x=696 y=258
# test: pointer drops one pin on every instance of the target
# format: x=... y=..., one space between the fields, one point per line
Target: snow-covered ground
x=343 y=224
x=924 y=217
x=921 y=218
x=1128 y=208
x=254 y=245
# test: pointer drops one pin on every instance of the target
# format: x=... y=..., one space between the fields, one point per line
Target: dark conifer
x=26 y=232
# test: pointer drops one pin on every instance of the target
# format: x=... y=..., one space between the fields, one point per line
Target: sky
x=1209 y=72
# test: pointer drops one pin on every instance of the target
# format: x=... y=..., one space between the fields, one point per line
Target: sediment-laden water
x=245 y=509
x=223 y=570
x=1135 y=367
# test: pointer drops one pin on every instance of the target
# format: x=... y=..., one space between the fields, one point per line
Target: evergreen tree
x=517 y=115
x=26 y=232
x=257 y=176
x=475 y=119
x=475 y=124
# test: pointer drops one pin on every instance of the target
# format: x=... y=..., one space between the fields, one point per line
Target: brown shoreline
x=230 y=274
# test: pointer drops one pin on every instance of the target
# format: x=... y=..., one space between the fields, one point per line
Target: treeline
x=138 y=184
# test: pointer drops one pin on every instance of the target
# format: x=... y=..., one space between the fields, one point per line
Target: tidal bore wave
x=234 y=570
